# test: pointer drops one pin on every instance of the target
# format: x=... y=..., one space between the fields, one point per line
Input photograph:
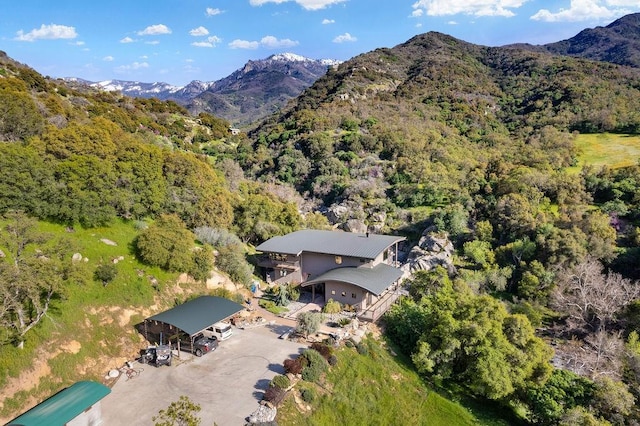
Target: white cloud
x=47 y=32
x=452 y=23
x=78 y=43
x=244 y=44
x=305 y=4
x=417 y=13
x=199 y=32
x=587 y=10
x=152 y=42
x=127 y=40
x=328 y=21
x=157 y=29
x=268 y=42
x=467 y=7
x=131 y=67
x=212 y=11
x=211 y=41
x=271 y=42
x=344 y=38
x=108 y=58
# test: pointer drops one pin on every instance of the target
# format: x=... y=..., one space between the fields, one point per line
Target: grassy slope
x=607 y=149
x=379 y=389
x=90 y=330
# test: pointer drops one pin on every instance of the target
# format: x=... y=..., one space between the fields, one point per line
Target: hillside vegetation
x=539 y=311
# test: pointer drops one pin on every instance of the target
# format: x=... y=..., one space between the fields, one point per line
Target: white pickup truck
x=220 y=330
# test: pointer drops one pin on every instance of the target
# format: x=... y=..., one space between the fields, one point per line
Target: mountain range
x=263 y=86
x=250 y=93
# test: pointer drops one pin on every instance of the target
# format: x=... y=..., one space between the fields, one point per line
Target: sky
x=177 y=41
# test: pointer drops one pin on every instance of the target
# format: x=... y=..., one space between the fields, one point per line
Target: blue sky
x=177 y=41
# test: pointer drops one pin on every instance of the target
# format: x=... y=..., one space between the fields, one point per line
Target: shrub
x=308 y=395
x=317 y=365
x=271 y=306
x=105 y=273
x=274 y=394
x=330 y=341
x=323 y=349
x=333 y=360
x=311 y=374
x=349 y=343
x=281 y=381
x=343 y=322
x=293 y=366
x=362 y=348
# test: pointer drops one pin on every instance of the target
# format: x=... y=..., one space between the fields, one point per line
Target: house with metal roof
x=77 y=405
x=359 y=270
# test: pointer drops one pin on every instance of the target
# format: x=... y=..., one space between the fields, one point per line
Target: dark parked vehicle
x=201 y=344
x=157 y=355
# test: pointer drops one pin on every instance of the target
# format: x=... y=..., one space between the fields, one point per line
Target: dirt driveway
x=228 y=383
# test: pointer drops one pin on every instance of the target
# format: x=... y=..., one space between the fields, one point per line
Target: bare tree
x=591 y=298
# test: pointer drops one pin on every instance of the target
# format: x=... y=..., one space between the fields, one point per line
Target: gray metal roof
x=336 y=243
x=197 y=314
x=375 y=280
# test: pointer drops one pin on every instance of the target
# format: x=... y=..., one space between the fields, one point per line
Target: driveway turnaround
x=227 y=383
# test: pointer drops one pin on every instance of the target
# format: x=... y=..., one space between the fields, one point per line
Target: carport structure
x=191 y=317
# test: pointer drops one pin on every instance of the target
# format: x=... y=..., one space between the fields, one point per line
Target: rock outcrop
x=434 y=249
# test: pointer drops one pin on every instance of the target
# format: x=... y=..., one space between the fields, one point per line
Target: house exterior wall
x=314 y=264
x=348 y=294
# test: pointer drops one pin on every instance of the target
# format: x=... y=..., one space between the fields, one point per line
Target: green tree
x=31 y=275
x=563 y=391
x=308 y=323
x=613 y=400
x=479 y=252
x=332 y=307
x=470 y=339
x=232 y=261
x=183 y=412
x=19 y=116
x=167 y=243
x=203 y=260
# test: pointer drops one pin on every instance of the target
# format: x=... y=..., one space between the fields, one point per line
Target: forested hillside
x=476 y=142
x=539 y=312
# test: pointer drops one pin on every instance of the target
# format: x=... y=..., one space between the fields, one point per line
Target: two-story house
x=359 y=270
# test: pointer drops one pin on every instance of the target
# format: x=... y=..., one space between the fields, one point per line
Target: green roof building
x=77 y=405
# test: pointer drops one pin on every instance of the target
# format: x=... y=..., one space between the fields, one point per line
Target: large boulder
x=338 y=213
x=355 y=225
x=434 y=249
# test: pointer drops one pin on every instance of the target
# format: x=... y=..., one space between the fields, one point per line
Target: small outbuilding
x=77 y=405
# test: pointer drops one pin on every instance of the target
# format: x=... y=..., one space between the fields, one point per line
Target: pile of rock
x=265 y=413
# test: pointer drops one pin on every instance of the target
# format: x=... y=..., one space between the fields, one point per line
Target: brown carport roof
x=197 y=314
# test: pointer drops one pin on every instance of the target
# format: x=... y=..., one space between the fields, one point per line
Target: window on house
x=333 y=292
x=385 y=256
x=338 y=260
x=344 y=294
x=363 y=260
x=353 y=295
